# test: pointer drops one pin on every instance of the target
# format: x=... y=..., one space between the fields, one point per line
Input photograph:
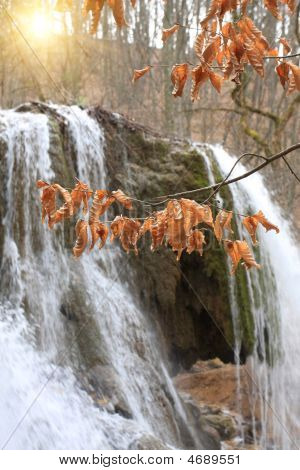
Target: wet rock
x=212 y=388
x=224 y=424
x=148 y=442
x=106 y=390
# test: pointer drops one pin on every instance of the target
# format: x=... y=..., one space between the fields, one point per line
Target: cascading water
x=275 y=301
x=43 y=404
x=45 y=400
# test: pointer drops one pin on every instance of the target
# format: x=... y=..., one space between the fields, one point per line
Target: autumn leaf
x=158 y=228
x=118 y=10
x=212 y=11
x=216 y=81
x=199 y=76
x=166 y=33
x=254 y=56
x=286 y=46
x=199 y=43
x=283 y=73
x=227 y=5
x=251 y=224
x=139 y=73
x=81 y=194
x=48 y=200
x=222 y=222
x=238 y=250
x=98 y=231
x=291 y=4
x=195 y=242
x=101 y=203
x=81 y=237
x=122 y=198
x=95 y=6
x=272 y=6
x=210 y=52
x=179 y=77
x=127 y=230
x=66 y=210
x=296 y=74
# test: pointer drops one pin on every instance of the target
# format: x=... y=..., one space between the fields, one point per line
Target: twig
x=226 y=181
x=281 y=56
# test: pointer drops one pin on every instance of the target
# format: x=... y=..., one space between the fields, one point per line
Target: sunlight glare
x=40 y=25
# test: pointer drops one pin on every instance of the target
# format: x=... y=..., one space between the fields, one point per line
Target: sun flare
x=40 y=25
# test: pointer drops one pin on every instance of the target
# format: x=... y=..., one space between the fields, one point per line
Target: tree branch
x=280 y=56
x=227 y=181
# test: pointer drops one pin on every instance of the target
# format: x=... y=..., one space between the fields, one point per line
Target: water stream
x=43 y=401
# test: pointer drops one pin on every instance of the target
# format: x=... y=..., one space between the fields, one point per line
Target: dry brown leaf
x=147 y=226
x=98 y=231
x=283 y=70
x=95 y=7
x=81 y=194
x=210 y=52
x=272 y=52
x=238 y=250
x=48 y=200
x=118 y=10
x=199 y=43
x=66 y=210
x=139 y=73
x=158 y=229
x=195 y=242
x=254 y=56
x=272 y=6
x=216 y=81
x=222 y=222
x=199 y=76
x=179 y=77
x=251 y=223
x=166 y=33
x=99 y=206
x=175 y=235
x=194 y=214
x=126 y=201
x=227 y=5
x=81 y=237
x=296 y=74
x=212 y=11
x=286 y=46
x=127 y=230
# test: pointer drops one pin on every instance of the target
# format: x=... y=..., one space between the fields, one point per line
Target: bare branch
x=227 y=181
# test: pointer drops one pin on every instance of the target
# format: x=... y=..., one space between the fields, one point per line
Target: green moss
x=145 y=150
x=215 y=267
x=245 y=312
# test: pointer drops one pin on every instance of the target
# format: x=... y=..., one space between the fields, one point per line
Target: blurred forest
x=47 y=55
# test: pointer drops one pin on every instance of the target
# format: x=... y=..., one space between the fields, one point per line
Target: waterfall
x=275 y=300
x=44 y=398
x=81 y=364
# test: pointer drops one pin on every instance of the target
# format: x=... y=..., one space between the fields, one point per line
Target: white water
x=42 y=402
x=275 y=303
x=42 y=405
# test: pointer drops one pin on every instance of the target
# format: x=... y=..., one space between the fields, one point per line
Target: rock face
x=188 y=298
x=212 y=387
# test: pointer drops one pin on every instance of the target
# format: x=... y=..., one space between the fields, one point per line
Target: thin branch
x=281 y=56
x=227 y=181
x=291 y=169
